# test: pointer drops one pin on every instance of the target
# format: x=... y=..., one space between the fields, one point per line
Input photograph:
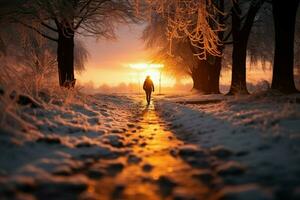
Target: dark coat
x=148 y=85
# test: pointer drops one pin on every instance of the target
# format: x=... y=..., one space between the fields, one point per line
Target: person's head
x=148 y=77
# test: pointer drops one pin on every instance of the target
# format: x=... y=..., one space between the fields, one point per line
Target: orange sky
x=109 y=60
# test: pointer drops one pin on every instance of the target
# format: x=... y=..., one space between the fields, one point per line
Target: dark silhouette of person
x=149 y=88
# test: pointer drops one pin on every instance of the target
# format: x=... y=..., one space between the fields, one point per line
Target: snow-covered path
x=116 y=148
x=102 y=147
x=152 y=170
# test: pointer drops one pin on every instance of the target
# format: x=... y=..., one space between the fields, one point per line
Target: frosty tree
x=183 y=60
x=196 y=20
x=194 y=31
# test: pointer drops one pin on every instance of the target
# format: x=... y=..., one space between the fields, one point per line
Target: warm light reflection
x=154 y=143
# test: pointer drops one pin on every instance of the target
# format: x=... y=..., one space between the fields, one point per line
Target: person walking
x=149 y=88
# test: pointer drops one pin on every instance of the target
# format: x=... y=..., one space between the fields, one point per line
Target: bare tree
x=260 y=50
x=241 y=23
x=284 y=16
x=30 y=61
x=61 y=20
x=262 y=47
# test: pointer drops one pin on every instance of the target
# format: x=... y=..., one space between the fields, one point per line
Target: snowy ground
x=59 y=139
x=260 y=133
x=182 y=147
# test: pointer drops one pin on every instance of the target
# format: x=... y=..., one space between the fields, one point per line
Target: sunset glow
x=147 y=69
x=133 y=73
x=143 y=66
x=143 y=100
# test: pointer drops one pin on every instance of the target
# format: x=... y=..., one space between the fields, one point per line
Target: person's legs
x=148 y=96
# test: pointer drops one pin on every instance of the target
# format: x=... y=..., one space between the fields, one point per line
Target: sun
x=148 y=69
x=153 y=73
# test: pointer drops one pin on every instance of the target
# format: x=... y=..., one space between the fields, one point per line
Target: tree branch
x=87 y=12
x=251 y=15
x=227 y=36
x=83 y=7
x=38 y=31
x=229 y=42
x=49 y=27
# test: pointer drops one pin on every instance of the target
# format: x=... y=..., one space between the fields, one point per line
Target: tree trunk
x=240 y=35
x=284 y=14
x=65 y=58
x=239 y=53
x=214 y=76
x=215 y=68
x=238 y=80
x=200 y=78
x=206 y=76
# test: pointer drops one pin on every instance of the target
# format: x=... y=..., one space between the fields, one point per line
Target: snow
x=59 y=137
x=261 y=132
x=184 y=146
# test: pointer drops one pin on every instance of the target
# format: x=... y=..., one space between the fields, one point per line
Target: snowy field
x=182 y=147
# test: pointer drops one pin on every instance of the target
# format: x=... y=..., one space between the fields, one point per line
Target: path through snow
x=152 y=169
x=113 y=147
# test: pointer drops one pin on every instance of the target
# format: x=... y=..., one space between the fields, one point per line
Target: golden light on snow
x=157 y=164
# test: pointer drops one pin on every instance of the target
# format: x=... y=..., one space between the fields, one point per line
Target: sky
x=109 y=61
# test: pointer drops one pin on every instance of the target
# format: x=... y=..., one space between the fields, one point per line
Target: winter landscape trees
x=204 y=27
x=190 y=35
x=60 y=20
x=61 y=140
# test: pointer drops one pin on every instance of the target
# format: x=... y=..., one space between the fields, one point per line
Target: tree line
x=195 y=37
x=60 y=22
x=201 y=34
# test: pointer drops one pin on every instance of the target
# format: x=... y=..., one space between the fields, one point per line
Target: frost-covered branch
x=196 y=20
